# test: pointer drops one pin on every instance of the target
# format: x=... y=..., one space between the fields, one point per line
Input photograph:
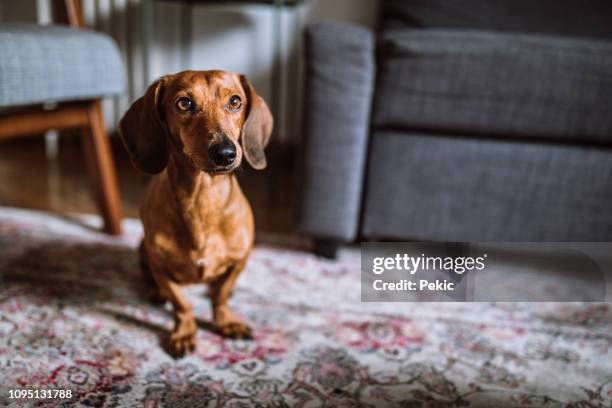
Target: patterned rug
x=72 y=318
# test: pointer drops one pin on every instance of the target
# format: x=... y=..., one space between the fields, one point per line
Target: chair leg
x=101 y=169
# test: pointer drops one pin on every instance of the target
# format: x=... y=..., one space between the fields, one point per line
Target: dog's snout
x=222 y=154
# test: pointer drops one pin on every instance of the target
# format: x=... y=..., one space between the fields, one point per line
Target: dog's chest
x=212 y=259
x=197 y=237
x=216 y=247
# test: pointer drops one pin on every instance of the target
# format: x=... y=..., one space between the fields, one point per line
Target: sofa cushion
x=576 y=18
x=444 y=188
x=53 y=63
x=495 y=83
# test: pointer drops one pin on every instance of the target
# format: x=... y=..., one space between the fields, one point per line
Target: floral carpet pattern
x=72 y=317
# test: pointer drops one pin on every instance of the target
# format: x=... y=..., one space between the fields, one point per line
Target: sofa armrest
x=340 y=71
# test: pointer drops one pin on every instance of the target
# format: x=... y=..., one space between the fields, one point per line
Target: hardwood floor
x=30 y=180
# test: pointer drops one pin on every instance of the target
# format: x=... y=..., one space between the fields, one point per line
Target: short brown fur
x=198 y=225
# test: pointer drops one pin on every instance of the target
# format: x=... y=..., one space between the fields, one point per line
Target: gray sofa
x=461 y=120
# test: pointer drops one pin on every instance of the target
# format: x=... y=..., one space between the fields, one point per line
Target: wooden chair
x=85 y=114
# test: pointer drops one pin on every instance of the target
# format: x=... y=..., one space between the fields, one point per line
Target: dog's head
x=214 y=118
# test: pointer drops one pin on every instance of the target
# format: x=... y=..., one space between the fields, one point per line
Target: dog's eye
x=234 y=103
x=184 y=104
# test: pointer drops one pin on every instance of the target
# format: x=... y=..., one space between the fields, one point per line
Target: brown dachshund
x=193 y=128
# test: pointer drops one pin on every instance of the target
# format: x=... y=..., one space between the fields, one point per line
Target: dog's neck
x=200 y=197
x=185 y=178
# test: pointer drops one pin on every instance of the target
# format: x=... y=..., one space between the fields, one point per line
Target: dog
x=193 y=129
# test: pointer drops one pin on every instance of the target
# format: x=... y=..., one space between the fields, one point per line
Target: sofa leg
x=102 y=169
x=326 y=248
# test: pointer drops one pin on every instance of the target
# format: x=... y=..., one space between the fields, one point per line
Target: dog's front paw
x=183 y=339
x=236 y=330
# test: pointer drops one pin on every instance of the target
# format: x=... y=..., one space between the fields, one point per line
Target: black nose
x=222 y=154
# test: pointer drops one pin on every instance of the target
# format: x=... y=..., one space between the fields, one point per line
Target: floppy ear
x=143 y=133
x=257 y=127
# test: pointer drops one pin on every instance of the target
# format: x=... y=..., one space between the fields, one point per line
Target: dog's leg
x=182 y=339
x=220 y=290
